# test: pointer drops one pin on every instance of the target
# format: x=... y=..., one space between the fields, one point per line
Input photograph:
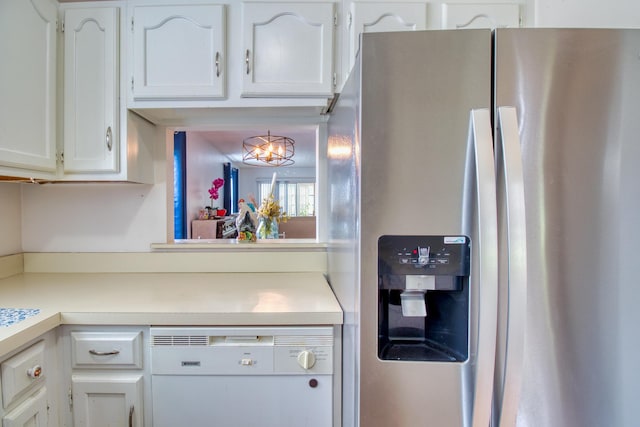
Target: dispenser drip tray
x=412 y=351
x=412 y=348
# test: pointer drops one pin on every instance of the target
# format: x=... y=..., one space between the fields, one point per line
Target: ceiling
x=229 y=142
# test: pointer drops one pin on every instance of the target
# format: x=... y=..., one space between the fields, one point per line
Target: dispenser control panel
x=432 y=255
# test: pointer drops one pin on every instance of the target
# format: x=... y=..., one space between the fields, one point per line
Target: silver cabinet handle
x=104 y=353
x=109 y=139
x=131 y=416
x=246 y=61
x=217 y=64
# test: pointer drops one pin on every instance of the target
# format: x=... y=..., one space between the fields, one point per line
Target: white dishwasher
x=242 y=376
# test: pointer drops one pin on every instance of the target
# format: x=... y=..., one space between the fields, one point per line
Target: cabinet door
x=30 y=413
x=91 y=90
x=465 y=16
x=178 y=52
x=288 y=49
x=109 y=400
x=383 y=17
x=28 y=84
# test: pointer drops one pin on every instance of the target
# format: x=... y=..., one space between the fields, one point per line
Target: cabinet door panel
x=383 y=17
x=467 y=16
x=179 y=52
x=28 y=84
x=30 y=413
x=103 y=401
x=91 y=90
x=288 y=49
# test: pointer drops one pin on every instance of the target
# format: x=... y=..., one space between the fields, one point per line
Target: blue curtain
x=230 y=188
x=180 y=185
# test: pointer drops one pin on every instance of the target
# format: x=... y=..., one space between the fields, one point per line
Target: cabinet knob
x=217 y=64
x=35 y=372
x=247 y=61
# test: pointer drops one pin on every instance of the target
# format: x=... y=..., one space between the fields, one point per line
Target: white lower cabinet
x=29 y=378
x=107 y=380
x=107 y=400
x=30 y=413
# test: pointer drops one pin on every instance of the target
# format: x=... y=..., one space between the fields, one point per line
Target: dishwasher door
x=242 y=377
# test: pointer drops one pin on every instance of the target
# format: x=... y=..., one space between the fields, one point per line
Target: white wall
x=204 y=164
x=10 y=215
x=93 y=217
x=97 y=217
x=587 y=13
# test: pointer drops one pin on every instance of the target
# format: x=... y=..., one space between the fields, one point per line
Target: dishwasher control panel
x=241 y=350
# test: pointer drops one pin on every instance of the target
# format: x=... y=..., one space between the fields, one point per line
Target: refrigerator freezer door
x=578 y=93
x=416 y=92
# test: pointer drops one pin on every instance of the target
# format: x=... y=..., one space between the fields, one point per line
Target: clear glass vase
x=267 y=228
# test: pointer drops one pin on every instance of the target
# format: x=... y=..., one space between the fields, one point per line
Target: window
x=297 y=198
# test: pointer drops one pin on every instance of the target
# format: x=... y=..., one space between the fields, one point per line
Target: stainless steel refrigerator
x=484 y=190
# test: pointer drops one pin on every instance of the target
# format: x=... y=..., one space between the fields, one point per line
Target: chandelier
x=268 y=150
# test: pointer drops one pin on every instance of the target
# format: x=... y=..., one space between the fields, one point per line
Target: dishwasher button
x=246 y=362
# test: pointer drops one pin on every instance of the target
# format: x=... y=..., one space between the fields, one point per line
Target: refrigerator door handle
x=481 y=139
x=513 y=275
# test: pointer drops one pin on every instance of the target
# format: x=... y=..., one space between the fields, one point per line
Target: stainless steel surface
x=407 y=124
x=567 y=219
x=480 y=172
x=513 y=274
x=577 y=92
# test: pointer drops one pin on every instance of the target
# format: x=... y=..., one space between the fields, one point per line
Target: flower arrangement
x=215 y=186
x=270 y=209
x=270 y=214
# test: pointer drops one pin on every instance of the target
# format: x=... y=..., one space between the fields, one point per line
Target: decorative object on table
x=213 y=191
x=246 y=222
x=268 y=150
x=246 y=229
x=270 y=214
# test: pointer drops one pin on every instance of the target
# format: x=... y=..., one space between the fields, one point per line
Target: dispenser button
x=423 y=255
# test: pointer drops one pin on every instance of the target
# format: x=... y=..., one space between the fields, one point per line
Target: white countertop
x=165 y=299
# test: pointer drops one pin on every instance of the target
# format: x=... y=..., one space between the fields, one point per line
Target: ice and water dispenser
x=423 y=298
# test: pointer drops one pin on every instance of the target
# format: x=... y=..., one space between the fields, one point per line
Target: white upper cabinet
x=480 y=15
x=91 y=72
x=288 y=49
x=370 y=17
x=28 y=87
x=179 y=52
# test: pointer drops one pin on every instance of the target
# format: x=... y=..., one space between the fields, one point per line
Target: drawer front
x=21 y=372
x=106 y=350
